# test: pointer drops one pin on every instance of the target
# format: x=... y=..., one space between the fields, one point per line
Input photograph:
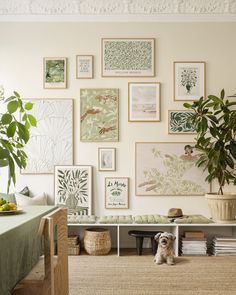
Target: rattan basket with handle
x=97 y=241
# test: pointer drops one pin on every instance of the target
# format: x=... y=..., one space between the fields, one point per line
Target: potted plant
x=14 y=134
x=215 y=124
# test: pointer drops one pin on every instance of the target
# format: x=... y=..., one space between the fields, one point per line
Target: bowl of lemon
x=8 y=207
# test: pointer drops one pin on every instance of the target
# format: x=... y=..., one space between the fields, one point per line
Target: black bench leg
x=139 y=245
x=154 y=246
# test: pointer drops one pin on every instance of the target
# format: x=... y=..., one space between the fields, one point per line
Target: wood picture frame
x=55 y=72
x=178 y=122
x=144 y=101
x=106 y=159
x=128 y=57
x=116 y=192
x=84 y=66
x=189 y=80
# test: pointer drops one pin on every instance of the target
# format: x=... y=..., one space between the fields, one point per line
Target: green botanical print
x=189 y=78
x=55 y=70
x=180 y=122
x=99 y=114
x=73 y=190
x=128 y=55
x=172 y=180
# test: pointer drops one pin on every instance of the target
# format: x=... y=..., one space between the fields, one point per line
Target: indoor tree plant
x=14 y=134
x=215 y=124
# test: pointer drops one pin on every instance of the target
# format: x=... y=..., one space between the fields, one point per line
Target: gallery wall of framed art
x=111 y=103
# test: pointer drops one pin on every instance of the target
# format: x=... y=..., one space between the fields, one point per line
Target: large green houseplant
x=215 y=122
x=14 y=134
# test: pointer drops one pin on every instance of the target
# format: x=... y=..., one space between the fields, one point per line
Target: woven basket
x=74 y=250
x=73 y=240
x=97 y=241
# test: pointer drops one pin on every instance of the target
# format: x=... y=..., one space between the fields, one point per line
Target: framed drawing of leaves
x=168 y=168
x=179 y=122
x=189 y=80
x=126 y=57
x=73 y=188
x=99 y=114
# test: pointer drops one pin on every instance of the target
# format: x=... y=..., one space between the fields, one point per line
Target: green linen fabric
x=86 y=219
x=20 y=245
x=194 y=219
x=8 y=197
x=116 y=219
x=150 y=219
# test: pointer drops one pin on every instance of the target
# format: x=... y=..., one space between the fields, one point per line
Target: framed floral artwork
x=55 y=72
x=116 y=192
x=144 y=102
x=168 y=169
x=99 y=114
x=84 y=66
x=179 y=122
x=189 y=80
x=124 y=57
x=106 y=159
x=73 y=188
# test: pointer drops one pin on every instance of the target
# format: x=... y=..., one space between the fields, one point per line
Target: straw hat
x=175 y=213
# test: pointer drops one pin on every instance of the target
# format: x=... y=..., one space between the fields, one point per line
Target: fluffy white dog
x=165 y=252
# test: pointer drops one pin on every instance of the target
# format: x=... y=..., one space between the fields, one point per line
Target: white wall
x=23 y=46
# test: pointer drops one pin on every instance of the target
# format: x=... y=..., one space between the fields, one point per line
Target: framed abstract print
x=55 y=72
x=189 y=80
x=124 y=57
x=116 y=192
x=84 y=66
x=106 y=159
x=144 y=102
x=179 y=122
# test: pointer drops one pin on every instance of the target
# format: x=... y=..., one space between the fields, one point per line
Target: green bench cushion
x=195 y=219
x=86 y=219
x=150 y=219
x=113 y=219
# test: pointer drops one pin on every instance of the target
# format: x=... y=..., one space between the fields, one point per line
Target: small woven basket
x=97 y=241
x=74 y=250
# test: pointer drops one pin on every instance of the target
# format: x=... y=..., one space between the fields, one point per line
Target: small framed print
x=189 y=80
x=106 y=159
x=84 y=66
x=116 y=192
x=128 y=57
x=179 y=122
x=55 y=72
x=144 y=102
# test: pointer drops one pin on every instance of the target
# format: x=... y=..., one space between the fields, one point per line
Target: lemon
x=5 y=207
x=12 y=206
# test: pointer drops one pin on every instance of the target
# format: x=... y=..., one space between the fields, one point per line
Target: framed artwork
x=189 y=80
x=168 y=169
x=84 y=66
x=124 y=57
x=73 y=188
x=178 y=122
x=99 y=114
x=106 y=159
x=55 y=72
x=117 y=192
x=51 y=143
x=144 y=102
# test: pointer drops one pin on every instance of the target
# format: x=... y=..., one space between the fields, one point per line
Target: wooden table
x=20 y=245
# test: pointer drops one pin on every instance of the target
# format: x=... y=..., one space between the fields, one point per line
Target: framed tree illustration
x=73 y=188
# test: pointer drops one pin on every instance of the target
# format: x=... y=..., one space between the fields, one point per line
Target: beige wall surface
x=23 y=46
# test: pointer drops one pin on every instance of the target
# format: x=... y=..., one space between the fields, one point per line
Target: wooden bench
x=140 y=235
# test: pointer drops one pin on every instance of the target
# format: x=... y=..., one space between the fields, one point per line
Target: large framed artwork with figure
x=168 y=169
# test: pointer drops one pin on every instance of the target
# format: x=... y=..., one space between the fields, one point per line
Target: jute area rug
x=139 y=275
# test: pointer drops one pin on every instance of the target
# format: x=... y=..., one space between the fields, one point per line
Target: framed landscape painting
x=124 y=57
x=179 y=122
x=55 y=72
x=73 y=188
x=51 y=142
x=117 y=192
x=189 y=80
x=168 y=169
x=99 y=114
x=84 y=66
x=106 y=159
x=144 y=102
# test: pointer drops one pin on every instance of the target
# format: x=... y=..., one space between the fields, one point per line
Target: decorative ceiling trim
x=118 y=10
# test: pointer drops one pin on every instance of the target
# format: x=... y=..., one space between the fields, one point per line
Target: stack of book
x=193 y=243
x=224 y=246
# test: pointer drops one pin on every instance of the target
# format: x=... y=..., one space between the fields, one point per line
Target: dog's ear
x=157 y=236
x=171 y=236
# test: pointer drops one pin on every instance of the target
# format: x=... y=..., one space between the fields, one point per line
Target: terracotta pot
x=222 y=207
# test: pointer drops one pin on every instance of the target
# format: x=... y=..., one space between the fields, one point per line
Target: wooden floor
x=139 y=275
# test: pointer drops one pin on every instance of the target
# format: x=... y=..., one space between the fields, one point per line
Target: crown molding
x=115 y=10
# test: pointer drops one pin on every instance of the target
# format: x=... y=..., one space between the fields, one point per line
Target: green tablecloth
x=20 y=245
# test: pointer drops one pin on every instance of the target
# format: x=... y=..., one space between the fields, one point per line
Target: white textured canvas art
x=51 y=142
